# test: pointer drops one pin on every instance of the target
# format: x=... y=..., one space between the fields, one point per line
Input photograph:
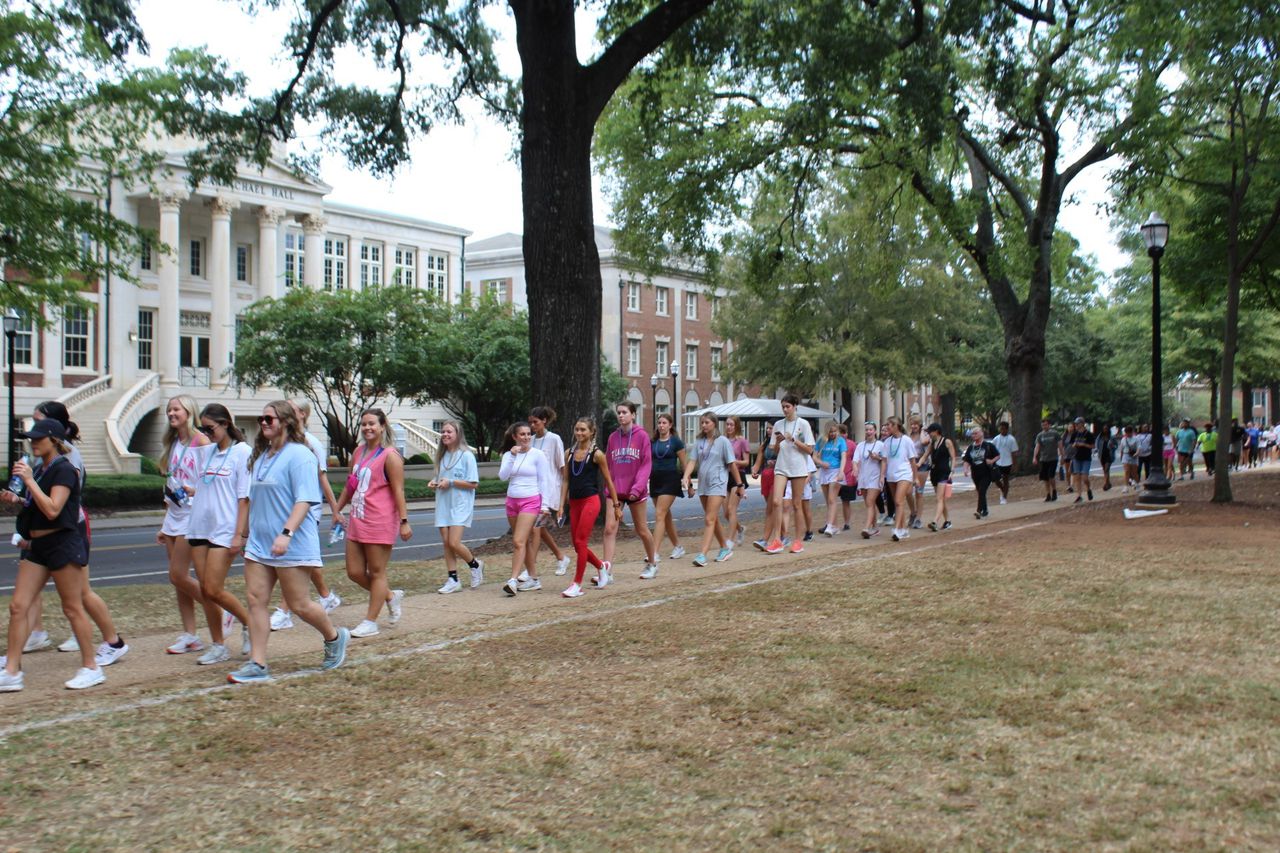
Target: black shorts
x=848 y=493
x=1047 y=469
x=203 y=543
x=58 y=550
x=664 y=483
x=938 y=476
x=1004 y=471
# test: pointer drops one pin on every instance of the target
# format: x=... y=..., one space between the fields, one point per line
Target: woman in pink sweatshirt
x=629 y=458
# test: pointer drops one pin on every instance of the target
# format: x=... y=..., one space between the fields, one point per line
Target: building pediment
x=276 y=184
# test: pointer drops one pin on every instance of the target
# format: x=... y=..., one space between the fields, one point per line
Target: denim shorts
x=1081 y=466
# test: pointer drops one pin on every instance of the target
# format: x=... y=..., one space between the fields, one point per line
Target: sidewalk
x=148 y=669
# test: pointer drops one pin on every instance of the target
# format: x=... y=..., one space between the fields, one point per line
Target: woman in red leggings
x=584 y=464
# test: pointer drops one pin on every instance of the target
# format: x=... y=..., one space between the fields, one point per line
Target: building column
x=886 y=404
x=873 y=406
x=167 y=317
x=313 y=250
x=221 y=323
x=859 y=414
x=268 y=251
x=353 y=263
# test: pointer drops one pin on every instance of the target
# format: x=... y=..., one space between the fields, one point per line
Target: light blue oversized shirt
x=278 y=482
x=456 y=507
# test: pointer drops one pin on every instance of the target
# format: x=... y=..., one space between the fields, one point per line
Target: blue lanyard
x=366 y=464
x=210 y=474
x=269 y=461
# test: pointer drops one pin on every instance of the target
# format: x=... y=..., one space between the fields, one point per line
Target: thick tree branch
x=283 y=99
x=1029 y=13
x=605 y=75
x=976 y=149
x=1262 y=237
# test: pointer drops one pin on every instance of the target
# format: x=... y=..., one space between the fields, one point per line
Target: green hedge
x=120 y=491
x=416 y=490
x=418 y=459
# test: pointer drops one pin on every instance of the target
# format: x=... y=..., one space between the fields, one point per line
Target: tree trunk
x=1213 y=397
x=1025 y=363
x=1273 y=395
x=562 y=264
x=1230 y=332
x=947 y=402
x=1246 y=402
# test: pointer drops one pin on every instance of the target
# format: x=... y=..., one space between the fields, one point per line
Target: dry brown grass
x=1108 y=686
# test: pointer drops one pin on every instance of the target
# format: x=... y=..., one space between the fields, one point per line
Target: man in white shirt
x=1008 y=447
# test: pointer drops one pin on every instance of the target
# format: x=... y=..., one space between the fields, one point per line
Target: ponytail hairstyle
x=460 y=446
x=289 y=424
x=218 y=413
x=187 y=402
x=509 y=437
x=590 y=424
x=546 y=414
x=715 y=423
x=388 y=440
x=58 y=411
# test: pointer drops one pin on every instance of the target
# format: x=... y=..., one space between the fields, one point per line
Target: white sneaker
x=742 y=532
x=246 y=645
x=531 y=585
x=331 y=602
x=70 y=645
x=393 y=606
x=228 y=621
x=87 y=678
x=181 y=646
x=451 y=585
x=677 y=552
x=523 y=576
x=108 y=654
x=281 y=620
x=650 y=572
x=477 y=574
x=573 y=591
x=13 y=683
x=606 y=576
x=217 y=653
x=511 y=587
x=562 y=565
x=366 y=628
x=1003 y=501
x=37 y=641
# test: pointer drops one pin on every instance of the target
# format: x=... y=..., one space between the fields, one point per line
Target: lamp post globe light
x=11 y=320
x=675 y=398
x=653 y=385
x=1156 y=490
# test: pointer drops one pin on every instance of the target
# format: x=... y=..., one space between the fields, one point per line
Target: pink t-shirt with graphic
x=373 y=518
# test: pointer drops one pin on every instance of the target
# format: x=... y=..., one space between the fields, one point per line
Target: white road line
x=499 y=633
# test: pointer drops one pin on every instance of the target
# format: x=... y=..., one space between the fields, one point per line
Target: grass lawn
x=1087 y=683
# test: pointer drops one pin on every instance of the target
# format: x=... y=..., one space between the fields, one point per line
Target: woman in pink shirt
x=630 y=458
x=742 y=458
x=375 y=491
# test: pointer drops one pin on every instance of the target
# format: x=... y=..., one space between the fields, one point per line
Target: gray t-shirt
x=1048 y=441
x=714 y=459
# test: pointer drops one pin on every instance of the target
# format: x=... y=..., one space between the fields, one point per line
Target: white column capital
x=221 y=206
x=171 y=195
x=270 y=216
x=314 y=224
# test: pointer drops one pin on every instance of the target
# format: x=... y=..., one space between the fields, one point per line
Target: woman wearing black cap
x=53 y=546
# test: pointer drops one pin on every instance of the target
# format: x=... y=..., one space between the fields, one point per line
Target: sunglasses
x=267 y=419
x=207 y=431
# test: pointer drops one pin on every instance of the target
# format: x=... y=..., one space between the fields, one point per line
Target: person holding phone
x=793 y=440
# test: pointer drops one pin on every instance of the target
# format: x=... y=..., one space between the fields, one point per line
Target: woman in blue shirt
x=283 y=542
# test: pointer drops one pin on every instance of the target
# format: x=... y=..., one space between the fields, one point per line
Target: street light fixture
x=653 y=385
x=1156 y=492
x=11 y=320
x=675 y=398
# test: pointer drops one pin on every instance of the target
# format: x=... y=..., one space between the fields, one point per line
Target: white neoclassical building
x=219 y=248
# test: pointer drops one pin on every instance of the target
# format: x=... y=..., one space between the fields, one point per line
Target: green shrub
x=150 y=467
x=418 y=459
x=123 y=491
x=416 y=490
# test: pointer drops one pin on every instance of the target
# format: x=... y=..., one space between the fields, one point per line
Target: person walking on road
x=766 y=460
x=742 y=459
x=899 y=473
x=630 y=455
x=586 y=464
x=869 y=458
x=793 y=441
x=1129 y=458
x=716 y=466
x=1208 y=442
x=940 y=452
x=540 y=419
x=457 y=477
x=1007 y=446
x=831 y=455
x=979 y=463
x=668 y=454
x=1045 y=456
x=1185 y=439
x=1080 y=441
x=527 y=474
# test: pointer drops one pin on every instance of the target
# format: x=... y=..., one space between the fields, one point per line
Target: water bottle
x=337 y=534
x=15 y=482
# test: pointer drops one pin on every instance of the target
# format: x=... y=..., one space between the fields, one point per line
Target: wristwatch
x=287 y=532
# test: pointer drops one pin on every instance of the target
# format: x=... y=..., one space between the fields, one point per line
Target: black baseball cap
x=45 y=428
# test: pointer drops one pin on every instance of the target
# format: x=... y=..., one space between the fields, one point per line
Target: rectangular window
x=335 y=263
x=497 y=288
x=144 y=254
x=437 y=277
x=370 y=265
x=242 y=263
x=75 y=337
x=661 y=359
x=691 y=361
x=691 y=306
x=715 y=306
x=436 y=426
x=633 y=296
x=406 y=267
x=86 y=247
x=633 y=356
x=197 y=258
x=146 y=338
x=716 y=355
x=24 y=341
x=293 y=255
x=661 y=295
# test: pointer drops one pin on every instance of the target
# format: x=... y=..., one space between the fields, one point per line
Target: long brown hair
x=288 y=422
x=219 y=414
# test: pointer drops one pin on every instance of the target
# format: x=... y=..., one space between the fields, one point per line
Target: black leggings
x=981 y=482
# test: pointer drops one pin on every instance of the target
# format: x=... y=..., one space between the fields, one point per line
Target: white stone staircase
x=107 y=417
x=91 y=417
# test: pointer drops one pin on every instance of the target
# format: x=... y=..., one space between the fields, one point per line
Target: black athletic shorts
x=848 y=493
x=1004 y=471
x=1047 y=469
x=58 y=550
x=664 y=483
x=203 y=543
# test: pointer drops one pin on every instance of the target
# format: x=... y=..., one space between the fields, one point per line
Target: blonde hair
x=462 y=443
x=187 y=402
x=388 y=440
x=737 y=425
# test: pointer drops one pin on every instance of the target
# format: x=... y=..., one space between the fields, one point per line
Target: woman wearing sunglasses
x=219 y=509
x=283 y=540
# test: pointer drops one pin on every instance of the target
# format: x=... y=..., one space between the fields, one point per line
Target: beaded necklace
x=576 y=468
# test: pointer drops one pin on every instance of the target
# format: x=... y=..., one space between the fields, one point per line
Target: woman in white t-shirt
x=793 y=439
x=868 y=466
x=899 y=472
x=552 y=447
x=527 y=474
x=219 y=513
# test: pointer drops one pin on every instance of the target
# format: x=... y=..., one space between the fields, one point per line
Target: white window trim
x=633 y=290
x=637 y=341
x=36 y=347
x=690 y=364
x=658 y=308
x=204 y=258
x=690 y=305
x=248 y=264
x=91 y=345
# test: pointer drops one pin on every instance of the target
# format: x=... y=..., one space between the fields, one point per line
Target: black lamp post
x=675 y=398
x=653 y=385
x=1156 y=491
x=10 y=333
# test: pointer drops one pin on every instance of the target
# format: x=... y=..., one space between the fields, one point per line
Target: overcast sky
x=466 y=175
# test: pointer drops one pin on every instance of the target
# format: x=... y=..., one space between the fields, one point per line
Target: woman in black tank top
x=585 y=464
x=941 y=453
